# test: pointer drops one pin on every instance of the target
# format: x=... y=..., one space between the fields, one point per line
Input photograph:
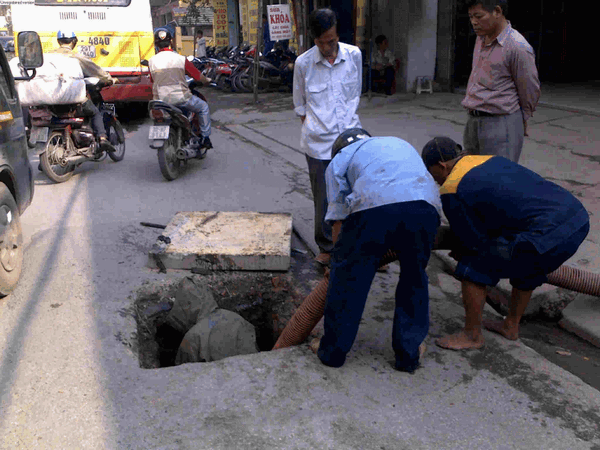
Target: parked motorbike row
x=232 y=68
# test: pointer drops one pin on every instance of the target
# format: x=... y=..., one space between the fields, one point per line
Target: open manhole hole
x=266 y=300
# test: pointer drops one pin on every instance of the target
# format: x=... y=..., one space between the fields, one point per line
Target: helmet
x=162 y=35
x=348 y=137
x=65 y=35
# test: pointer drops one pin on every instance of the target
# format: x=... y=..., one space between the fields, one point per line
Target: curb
x=582 y=317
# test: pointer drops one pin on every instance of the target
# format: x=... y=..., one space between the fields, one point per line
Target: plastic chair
x=424 y=85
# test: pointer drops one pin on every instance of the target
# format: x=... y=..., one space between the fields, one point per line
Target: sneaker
x=323 y=258
x=106 y=145
x=206 y=142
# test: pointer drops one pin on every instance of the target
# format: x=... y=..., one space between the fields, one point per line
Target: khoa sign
x=280 y=22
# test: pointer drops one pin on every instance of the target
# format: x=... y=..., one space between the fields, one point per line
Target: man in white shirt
x=327 y=87
x=200 y=45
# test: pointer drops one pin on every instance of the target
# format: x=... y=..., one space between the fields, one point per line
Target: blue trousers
x=200 y=107
x=409 y=229
x=523 y=264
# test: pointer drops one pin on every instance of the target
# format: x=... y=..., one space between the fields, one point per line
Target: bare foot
x=460 y=341
x=314 y=345
x=422 y=349
x=499 y=326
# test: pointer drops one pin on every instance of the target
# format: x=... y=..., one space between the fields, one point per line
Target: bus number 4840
x=99 y=40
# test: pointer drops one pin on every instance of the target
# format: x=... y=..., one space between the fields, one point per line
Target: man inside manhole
x=381 y=197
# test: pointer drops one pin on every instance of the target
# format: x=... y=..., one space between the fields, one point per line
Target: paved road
x=69 y=374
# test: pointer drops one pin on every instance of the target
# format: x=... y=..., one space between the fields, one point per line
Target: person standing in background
x=267 y=42
x=503 y=89
x=327 y=86
x=200 y=45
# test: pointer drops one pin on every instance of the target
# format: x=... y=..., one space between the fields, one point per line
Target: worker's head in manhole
x=348 y=137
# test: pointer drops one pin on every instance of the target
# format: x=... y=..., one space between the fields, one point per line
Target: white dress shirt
x=328 y=96
x=201 y=48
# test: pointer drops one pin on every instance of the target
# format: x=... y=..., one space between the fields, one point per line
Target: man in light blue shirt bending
x=381 y=198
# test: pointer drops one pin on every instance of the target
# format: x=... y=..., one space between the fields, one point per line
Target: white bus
x=115 y=34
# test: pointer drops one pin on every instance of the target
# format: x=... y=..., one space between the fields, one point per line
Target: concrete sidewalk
x=562 y=147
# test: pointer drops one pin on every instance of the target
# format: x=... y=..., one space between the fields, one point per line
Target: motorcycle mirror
x=144 y=62
x=30 y=51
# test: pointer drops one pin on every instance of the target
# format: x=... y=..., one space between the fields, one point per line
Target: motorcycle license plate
x=87 y=50
x=39 y=134
x=159 y=132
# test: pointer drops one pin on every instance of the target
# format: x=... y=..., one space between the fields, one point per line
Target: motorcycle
x=175 y=135
x=69 y=137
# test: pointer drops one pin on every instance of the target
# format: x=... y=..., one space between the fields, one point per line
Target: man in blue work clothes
x=381 y=198
x=510 y=223
x=327 y=86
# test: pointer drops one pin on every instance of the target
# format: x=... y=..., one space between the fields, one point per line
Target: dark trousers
x=409 y=229
x=89 y=109
x=316 y=172
x=520 y=262
x=388 y=74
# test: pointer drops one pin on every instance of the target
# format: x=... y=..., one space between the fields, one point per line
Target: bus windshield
x=82 y=2
x=115 y=34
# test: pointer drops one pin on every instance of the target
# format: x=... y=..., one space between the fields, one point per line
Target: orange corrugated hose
x=575 y=280
x=311 y=310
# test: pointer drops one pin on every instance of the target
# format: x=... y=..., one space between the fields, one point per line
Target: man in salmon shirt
x=503 y=89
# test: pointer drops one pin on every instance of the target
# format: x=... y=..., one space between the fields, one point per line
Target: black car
x=16 y=177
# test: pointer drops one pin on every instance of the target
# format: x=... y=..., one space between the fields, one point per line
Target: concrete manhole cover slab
x=210 y=240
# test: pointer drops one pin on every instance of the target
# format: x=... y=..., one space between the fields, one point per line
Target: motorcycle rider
x=168 y=70
x=67 y=40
